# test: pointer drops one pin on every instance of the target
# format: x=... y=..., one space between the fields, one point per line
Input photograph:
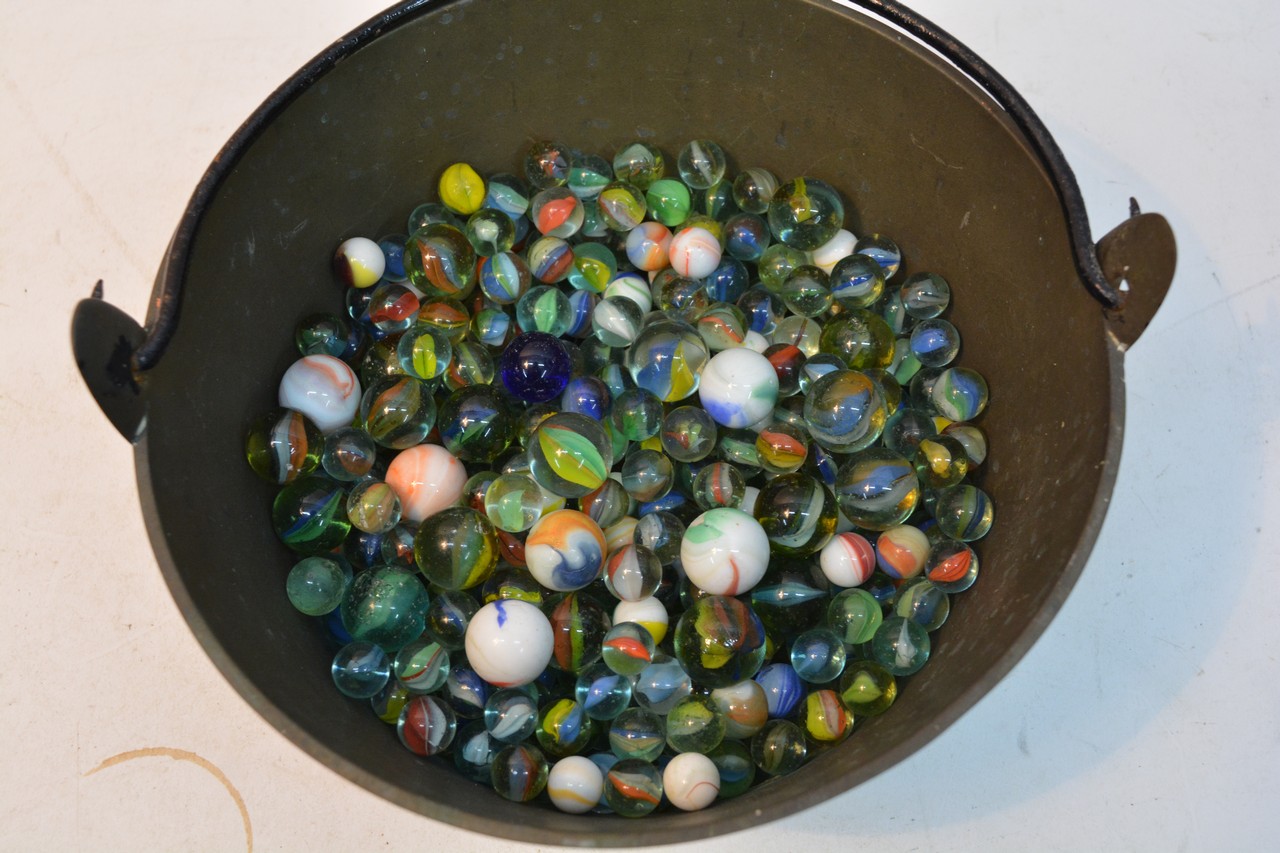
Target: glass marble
x=323 y=389
x=360 y=670
x=798 y=331
x=972 y=439
x=429 y=213
x=466 y=692
x=781 y=448
x=877 y=489
x=633 y=788
x=550 y=259
x=513 y=582
x=906 y=428
x=782 y=688
x=847 y=560
x=661 y=684
x=688 y=434
x=719 y=485
x=422 y=666
x=695 y=724
x=753 y=189
x=694 y=252
x=788 y=363
x=746 y=237
x=622 y=206
x=900 y=646
x=563 y=728
x=507 y=193
x=491 y=326
x=722 y=326
x=427 y=725
x=509 y=642
x=818 y=655
x=447 y=617
x=372 y=506
x=728 y=281
x=902 y=551
x=959 y=394
x=638 y=733
x=490 y=232
x=388 y=703
x=602 y=693
x=570 y=455
x=824 y=718
x=461 y=189
x=859 y=337
x=798 y=514
x=804 y=213
x=855 y=615
x=668 y=201
x=283 y=445
x=446 y=315
x=882 y=250
x=627 y=648
x=546 y=164
x=631 y=286
x=738 y=387
x=964 y=512
x=519 y=772
x=322 y=334
x=393 y=308
x=719 y=641
x=504 y=278
x=310 y=516
x=637 y=414
x=807 y=291
x=736 y=767
x=476 y=423
x=867 y=688
x=535 y=367
x=513 y=502
x=744 y=706
x=556 y=212
x=544 y=309
x=791 y=597
x=565 y=550
x=940 y=462
x=316 y=585
x=348 y=454
x=575 y=784
x=398 y=411
x=762 y=309
x=456 y=548
x=691 y=781
x=359 y=262
x=857 y=281
x=647 y=475
x=386 y=606
x=925 y=295
x=578 y=624
x=923 y=602
x=779 y=748
x=511 y=714
x=440 y=261
x=725 y=551
x=632 y=573
x=934 y=343
x=588 y=173
x=608 y=504
x=701 y=164
x=424 y=352
x=616 y=321
x=952 y=566
x=639 y=163
x=473 y=752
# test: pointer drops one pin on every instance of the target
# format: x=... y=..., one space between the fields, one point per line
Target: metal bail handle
x=167 y=305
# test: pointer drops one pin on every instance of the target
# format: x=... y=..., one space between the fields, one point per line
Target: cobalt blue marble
x=535 y=367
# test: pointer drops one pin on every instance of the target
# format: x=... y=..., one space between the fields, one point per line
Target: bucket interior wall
x=799 y=88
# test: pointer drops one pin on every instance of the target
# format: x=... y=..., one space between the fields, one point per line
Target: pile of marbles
x=622 y=485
